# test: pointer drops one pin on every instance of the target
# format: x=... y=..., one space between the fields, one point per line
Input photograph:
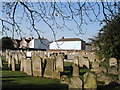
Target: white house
x=39 y=43
x=68 y=44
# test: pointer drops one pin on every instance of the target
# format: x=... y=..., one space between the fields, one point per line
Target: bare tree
x=54 y=15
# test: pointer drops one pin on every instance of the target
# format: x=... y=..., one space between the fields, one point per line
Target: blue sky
x=89 y=30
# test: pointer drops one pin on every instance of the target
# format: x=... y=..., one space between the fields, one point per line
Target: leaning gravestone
x=28 y=66
x=90 y=81
x=75 y=83
x=49 y=68
x=60 y=63
x=84 y=61
x=36 y=66
x=76 y=66
x=113 y=62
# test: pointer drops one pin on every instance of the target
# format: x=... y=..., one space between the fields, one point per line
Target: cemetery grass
x=20 y=80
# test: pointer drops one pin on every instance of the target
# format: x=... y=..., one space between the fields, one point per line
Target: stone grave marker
x=13 y=64
x=22 y=64
x=90 y=81
x=60 y=63
x=76 y=66
x=36 y=66
x=28 y=66
x=113 y=62
x=49 y=68
x=75 y=83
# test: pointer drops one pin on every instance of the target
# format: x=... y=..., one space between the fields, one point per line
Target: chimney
x=62 y=37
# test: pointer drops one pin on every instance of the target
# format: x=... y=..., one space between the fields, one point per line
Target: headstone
x=56 y=74
x=75 y=83
x=0 y=62
x=49 y=68
x=103 y=78
x=95 y=64
x=99 y=69
x=16 y=58
x=76 y=66
x=22 y=64
x=9 y=59
x=13 y=64
x=113 y=70
x=64 y=79
x=91 y=57
x=113 y=62
x=90 y=81
x=36 y=66
x=60 y=63
x=28 y=66
x=84 y=61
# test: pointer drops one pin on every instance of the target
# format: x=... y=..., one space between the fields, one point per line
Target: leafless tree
x=54 y=15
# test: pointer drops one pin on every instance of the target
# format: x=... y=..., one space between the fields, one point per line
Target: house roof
x=70 y=39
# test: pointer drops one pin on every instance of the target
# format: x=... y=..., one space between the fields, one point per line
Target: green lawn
x=20 y=80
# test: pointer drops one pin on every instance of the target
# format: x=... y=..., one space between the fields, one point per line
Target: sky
x=89 y=31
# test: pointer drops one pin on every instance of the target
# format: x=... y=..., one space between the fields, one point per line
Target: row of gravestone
x=48 y=66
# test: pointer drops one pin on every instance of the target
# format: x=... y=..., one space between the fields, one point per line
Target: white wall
x=37 y=44
x=66 y=45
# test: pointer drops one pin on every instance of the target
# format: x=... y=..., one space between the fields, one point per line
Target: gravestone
x=36 y=66
x=113 y=62
x=6 y=54
x=75 y=83
x=0 y=62
x=13 y=64
x=41 y=54
x=91 y=57
x=84 y=61
x=28 y=66
x=76 y=66
x=49 y=68
x=90 y=81
x=22 y=64
x=64 y=79
x=60 y=63
x=56 y=74
x=113 y=70
x=9 y=59
x=95 y=64
x=16 y=58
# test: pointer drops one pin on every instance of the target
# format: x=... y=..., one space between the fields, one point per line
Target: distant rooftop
x=69 y=39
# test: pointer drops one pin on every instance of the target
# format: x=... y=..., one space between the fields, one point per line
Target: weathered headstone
x=36 y=66
x=84 y=61
x=99 y=69
x=90 y=81
x=75 y=83
x=9 y=59
x=56 y=74
x=49 y=68
x=113 y=62
x=28 y=66
x=16 y=58
x=60 y=63
x=64 y=79
x=76 y=66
